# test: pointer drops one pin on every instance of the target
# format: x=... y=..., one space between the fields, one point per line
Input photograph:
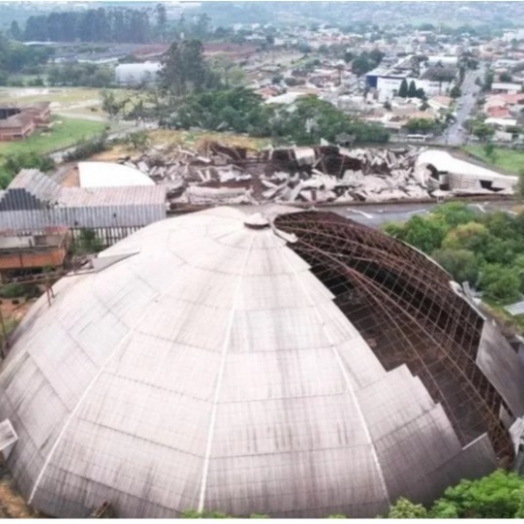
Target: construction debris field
x=324 y=175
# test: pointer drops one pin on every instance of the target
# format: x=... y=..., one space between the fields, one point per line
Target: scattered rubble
x=316 y=175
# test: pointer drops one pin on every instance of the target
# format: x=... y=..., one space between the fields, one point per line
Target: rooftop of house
x=442 y=100
x=25 y=116
x=498 y=112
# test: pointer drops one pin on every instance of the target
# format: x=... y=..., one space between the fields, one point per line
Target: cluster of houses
x=18 y=122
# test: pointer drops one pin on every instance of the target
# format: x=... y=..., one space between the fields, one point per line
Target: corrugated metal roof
x=37 y=183
x=213 y=370
x=111 y=196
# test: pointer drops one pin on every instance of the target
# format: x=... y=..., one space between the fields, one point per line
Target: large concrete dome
x=208 y=367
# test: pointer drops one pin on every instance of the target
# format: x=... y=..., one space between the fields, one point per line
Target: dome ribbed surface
x=210 y=369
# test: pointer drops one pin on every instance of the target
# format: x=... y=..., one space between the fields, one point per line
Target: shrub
x=87 y=149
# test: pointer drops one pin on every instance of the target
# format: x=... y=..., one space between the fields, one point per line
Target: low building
x=34 y=201
x=138 y=73
x=36 y=249
x=506 y=87
x=456 y=175
x=19 y=122
x=440 y=103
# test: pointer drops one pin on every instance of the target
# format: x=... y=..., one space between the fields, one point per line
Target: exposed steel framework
x=404 y=306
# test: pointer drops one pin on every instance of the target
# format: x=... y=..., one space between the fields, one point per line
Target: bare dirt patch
x=12 y=504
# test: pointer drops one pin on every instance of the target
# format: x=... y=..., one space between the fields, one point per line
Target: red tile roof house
x=17 y=123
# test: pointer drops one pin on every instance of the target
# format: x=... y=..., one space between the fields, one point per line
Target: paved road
x=455 y=135
x=376 y=215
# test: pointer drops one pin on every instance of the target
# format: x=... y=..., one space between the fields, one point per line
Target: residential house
x=509 y=88
x=19 y=122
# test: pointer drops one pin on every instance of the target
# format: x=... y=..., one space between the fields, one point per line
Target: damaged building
x=324 y=174
x=450 y=175
x=34 y=201
x=292 y=363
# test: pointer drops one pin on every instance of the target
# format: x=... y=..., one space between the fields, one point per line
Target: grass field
x=166 y=140
x=76 y=100
x=64 y=133
x=57 y=95
x=508 y=160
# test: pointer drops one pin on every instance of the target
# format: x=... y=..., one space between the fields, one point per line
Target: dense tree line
x=117 y=25
x=185 y=70
x=486 y=250
x=18 y=58
x=365 y=62
x=497 y=496
x=80 y=75
x=120 y=25
x=242 y=111
x=191 y=94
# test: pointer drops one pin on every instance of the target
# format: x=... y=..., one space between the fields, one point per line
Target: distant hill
x=380 y=13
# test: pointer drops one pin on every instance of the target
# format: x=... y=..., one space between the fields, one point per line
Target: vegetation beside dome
x=496 y=496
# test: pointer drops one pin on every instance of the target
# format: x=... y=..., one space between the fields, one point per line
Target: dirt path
x=12 y=504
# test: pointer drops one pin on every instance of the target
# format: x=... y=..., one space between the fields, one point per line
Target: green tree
x=490 y=151
x=404 y=509
x=14 y=31
x=455 y=92
x=394 y=229
x=420 y=125
x=184 y=69
x=455 y=213
x=471 y=236
x=403 y=90
x=496 y=496
x=87 y=243
x=482 y=130
x=505 y=77
x=500 y=283
x=421 y=94
x=412 y=90
x=461 y=264
x=443 y=509
x=111 y=104
x=139 y=140
x=27 y=160
x=424 y=233
x=520 y=184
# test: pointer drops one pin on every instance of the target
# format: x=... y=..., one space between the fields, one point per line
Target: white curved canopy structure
x=109 y=174
x=210 y=369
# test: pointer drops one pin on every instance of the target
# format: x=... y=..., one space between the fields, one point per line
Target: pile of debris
x=322 y=174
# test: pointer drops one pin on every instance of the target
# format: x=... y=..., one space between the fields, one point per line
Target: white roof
x=505 y=122
x=210 y=369
x=506 y=86
x=286 y=98
x=447 y=163
x=109 y=174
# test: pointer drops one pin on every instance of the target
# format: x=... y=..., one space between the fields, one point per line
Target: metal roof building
x=109 y=174
x=137 y=73
x=34 y=201
x=218 y=364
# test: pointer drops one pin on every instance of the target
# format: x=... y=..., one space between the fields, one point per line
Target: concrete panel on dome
x=8 y=435
x=502 y=366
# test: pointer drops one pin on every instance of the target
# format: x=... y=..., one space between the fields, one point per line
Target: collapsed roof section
x=406 y=309
x=324 y=174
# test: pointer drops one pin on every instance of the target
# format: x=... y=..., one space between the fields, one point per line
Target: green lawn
x=65 y=132
x=509 y=160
